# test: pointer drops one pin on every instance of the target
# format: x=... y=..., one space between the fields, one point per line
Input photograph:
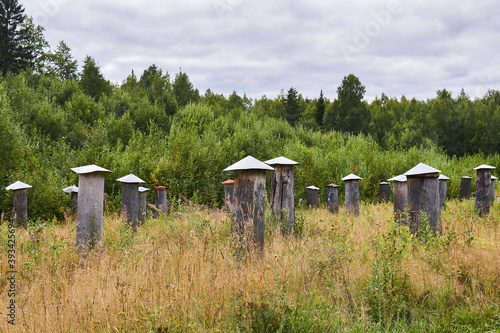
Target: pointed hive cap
x=400 y=178
x=332 y=185
x=17 y=186
x=228 y=182
x=130 y=179
x=70 y=189
x=89 y=169
x=484 y=166
x=466 y=177
x=493 y=177
x=281 y=161
x=421 y=169
x=248 y=163
x=142 y=189
x=384 y=183
x=351 y=177
x=312 y=187
x=443 y=177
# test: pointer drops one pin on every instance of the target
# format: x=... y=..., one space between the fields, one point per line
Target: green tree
x=320 y=109
x=92 y=81
x=292 y=106
x=36 y=43
x=183 y=90
x=62 y=62
x=352 y=113
x=15 y=50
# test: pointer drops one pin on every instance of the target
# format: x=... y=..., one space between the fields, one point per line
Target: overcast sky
x=260 y=47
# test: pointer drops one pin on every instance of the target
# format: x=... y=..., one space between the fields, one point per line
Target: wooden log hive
x=130 y=199
x=161 y=199
x=20 y=202
x=332 y=201
x=400 y=198
x=312 y=196
x=492 y=189
x=384 y=192
x=142 y=202
x=352 y=200
x=282 y=192
x=228 y=193
x=423 y=197
x=465 y=188
x=483 y=189
x=443 y=184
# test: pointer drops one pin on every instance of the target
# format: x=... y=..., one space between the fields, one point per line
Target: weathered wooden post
x=90 y=206
x=130 y=199
x=442 y=190
x=282 y=191
x=384 y=192
x=161 y=199
x=312 y=196
x=423 y=197
x=492 y=189
x=248 y=214
x=143 y=214
x=483 y=192
x=400 y=198
x=228 y=193
x=465 y=188
x=73 y=190
x=332 y=201
x=352 y=200
x=20 y=202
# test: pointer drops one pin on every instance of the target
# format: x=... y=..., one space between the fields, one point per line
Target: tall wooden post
x=483 y=192
x=228 y=193
x=465 y=188
x=423 y=197
x=282 y=191
x=312 y=196
x=352 y=201
x=400 y=198
x=130 y=199
x=492 y=189
x=332 y=201
x=443 y=182
x=73 y=190
x=143 y=213
x=90 y=206
x=248 y=213
x=20 y=202
x=161 y=199
x=384 y=192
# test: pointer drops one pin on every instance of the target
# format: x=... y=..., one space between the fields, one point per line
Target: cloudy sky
x=259 y=47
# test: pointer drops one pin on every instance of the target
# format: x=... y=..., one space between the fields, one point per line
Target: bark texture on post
x=443 y=185
x=400 y=189
x=465 y=188
x=248 y=214
x=312 y=196
x=161 y=199
x=142 y=201
x=130 y=204
x=89 y=210
x=20 y=203
x=483 y=192
x=283 y=196
x=352 y=200
x=332 y=201
x=384 y=192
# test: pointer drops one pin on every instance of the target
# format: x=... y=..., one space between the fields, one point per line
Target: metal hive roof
x=143 y=189
x=312 y=187
x=281 y=161
x=228 y=182
x=130 y=179
x=17 y=186
x=400 y=178
x=484 y=166
x=493 y=177
x=248 y=163
x=89 y=169
x=384 y=183
x=443 y=177
x=70 y=189
x=351 y=177
x=421 y=169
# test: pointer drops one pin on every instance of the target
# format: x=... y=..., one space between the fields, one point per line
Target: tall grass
x=177 y=274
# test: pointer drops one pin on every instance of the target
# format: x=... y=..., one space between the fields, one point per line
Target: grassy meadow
x=338 y=273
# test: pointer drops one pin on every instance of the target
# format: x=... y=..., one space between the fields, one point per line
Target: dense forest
x=57 y=115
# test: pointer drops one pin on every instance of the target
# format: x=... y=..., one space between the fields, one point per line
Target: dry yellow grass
x=178 y=274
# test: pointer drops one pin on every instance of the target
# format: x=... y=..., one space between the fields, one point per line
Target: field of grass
x=177 y=274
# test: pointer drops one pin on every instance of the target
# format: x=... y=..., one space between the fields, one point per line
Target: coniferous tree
x=292 y=108
x=92 y=81
x=320 y=109
x=183 y=90
x=62 y=62
x=15 y=50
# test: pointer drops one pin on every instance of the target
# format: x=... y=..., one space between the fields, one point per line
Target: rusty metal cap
x=228 y=182
x=130 y=179
x=332 y=185
x=249 y=163
x=160 y=188
x=17 y=186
